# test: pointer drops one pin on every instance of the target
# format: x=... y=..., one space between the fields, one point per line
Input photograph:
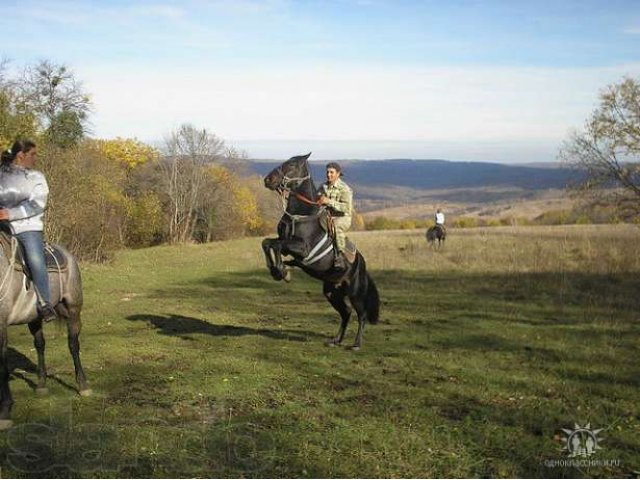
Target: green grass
x=203 y=366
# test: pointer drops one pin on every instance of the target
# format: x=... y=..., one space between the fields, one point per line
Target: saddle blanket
x=350 y=251
x=54 y=258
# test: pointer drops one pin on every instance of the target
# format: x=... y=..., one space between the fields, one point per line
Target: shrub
x=465 y=222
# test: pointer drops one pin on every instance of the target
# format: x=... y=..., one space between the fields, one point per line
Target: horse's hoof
x=331 y=343
x=354 y=348
x=287 y=276
x=87 y=392
x=6 y=424
x=42 y=391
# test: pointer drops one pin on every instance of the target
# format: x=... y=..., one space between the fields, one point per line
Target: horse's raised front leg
x=272 y=248
x=266 y=249
x=6 y=400
x=336 y=298
x=37 y=331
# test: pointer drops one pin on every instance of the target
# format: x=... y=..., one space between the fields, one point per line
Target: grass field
x=201 y=365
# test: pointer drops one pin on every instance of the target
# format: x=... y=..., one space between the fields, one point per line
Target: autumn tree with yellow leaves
x=107 y=194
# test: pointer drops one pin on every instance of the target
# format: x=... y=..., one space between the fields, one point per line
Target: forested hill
x=440 y=174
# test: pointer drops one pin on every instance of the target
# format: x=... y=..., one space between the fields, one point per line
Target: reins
x=304 y=199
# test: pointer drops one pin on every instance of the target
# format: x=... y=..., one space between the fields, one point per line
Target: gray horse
x=18 y=306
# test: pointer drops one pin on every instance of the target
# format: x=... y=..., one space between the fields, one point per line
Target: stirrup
x=47 y=313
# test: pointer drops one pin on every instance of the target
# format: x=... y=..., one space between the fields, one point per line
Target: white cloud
x=368 y=104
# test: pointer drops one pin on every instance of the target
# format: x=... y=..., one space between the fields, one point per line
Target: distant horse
x=18 y=306
x=436 y=233
x=301 y=235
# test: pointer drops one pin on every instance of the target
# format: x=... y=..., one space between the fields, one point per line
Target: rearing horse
x=302 y=236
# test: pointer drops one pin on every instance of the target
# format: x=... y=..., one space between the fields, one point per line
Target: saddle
x=55 y=259
x=350 y=250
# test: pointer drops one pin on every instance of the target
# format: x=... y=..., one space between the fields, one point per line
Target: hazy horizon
x=513 y=153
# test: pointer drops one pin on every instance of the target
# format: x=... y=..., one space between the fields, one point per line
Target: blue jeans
x=33 y=247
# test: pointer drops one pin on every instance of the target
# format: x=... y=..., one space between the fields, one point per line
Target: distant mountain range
x=427 y=175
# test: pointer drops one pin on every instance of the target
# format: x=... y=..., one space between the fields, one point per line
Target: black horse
x=301 y=235
x=436 y=233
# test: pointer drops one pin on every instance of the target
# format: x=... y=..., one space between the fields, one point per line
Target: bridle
x=285 y=186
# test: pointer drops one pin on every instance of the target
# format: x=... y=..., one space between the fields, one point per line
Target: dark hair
x=335 y=166
x=21 y=145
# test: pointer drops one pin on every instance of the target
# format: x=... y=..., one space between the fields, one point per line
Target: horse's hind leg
x=73 y=332
x=37 y=331
x=361 y=310
x=6 y=400
x=336 y=298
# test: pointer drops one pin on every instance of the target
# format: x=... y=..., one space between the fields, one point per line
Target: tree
x=607 y=153
x=229 y=208
x=53 y=94
x=130 y=152
x=143 y=223
x=14 y=123
x=87 y=208
x=188 y=151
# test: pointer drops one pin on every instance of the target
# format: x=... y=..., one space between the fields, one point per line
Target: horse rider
x=440 y=220
x=337 y=196
x=23 y=197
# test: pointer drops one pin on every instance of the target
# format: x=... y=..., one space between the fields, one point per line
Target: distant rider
x=440 y=220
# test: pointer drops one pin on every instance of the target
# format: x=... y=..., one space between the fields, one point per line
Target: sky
x=503 y=81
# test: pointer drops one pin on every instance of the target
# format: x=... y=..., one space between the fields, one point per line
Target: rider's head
x=22 y=152
x=334 y=172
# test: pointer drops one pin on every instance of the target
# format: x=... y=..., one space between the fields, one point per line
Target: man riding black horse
x=337 y=196
x=305 y=233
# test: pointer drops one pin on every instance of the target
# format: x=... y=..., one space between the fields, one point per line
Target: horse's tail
x=372 y=301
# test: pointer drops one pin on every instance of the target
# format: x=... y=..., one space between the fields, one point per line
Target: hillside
x=440 y=174
x=413 y=188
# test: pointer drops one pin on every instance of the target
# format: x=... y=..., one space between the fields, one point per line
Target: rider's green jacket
x=340 y=196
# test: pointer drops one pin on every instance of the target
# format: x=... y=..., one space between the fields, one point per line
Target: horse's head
x=288 y=175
